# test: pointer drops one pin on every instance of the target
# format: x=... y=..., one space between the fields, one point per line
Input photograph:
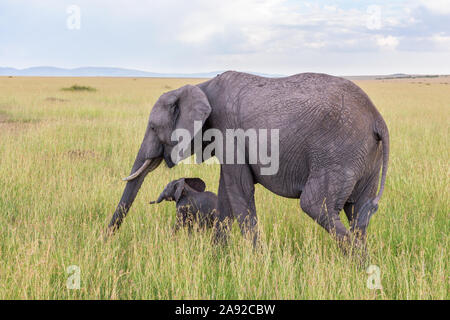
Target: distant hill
x=392 y=76
x=106 y=72
x=121 y=72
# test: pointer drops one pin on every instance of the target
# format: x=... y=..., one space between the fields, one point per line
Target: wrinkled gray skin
x=333 y=142
x=194 y=204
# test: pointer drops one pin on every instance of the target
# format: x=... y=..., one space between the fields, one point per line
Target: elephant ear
x=196 y=183
x=193 y=105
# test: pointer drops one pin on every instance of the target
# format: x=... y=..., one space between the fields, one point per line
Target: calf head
x=177 y=188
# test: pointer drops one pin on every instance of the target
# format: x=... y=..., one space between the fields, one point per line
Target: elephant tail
x=371 y=206
x=382 y=134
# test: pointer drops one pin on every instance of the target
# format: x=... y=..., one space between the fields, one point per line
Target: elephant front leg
x=237 y=200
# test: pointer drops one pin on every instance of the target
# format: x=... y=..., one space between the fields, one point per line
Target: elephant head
x=177 y=109
x=175 y=189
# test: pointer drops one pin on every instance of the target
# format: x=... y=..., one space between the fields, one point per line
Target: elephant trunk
x=160 y=198
x=148 y=159
x=131 y=189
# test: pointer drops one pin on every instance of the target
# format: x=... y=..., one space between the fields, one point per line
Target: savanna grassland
x=63 y=152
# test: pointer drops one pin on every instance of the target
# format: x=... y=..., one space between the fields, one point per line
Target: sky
x=269 y=36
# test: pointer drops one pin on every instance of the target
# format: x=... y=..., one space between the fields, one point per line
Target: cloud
x=442 y=41
x=278 y=36
x=440 y=7
x=388 y=42
x=264 y=25
x=248 y=26
x=256 y=22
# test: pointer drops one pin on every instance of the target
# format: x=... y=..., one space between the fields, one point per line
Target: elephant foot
x=220 y=238
x=221 y=231
x=365 y=213
x=107 y=234
x=355 y=248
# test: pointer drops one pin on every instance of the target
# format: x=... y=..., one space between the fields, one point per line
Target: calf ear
x=179 y=188
x=196 y=183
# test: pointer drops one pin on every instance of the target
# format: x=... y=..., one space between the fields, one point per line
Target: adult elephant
x=332 y=143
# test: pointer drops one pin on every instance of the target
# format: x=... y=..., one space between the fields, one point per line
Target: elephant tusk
x=151 y=164
x=138 y=172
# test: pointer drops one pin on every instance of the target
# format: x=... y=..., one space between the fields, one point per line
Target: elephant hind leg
x=323 y=196
x=359 y=212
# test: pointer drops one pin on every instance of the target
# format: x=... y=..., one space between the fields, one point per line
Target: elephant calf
x=194 y=205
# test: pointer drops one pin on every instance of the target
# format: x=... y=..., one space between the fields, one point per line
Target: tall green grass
x=61 y=161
